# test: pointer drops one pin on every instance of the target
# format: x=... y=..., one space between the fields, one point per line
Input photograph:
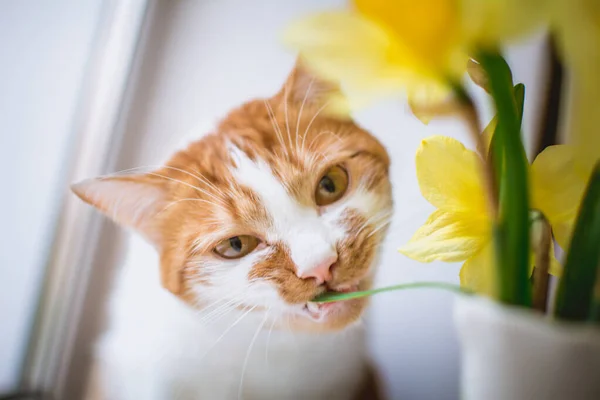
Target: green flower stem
x=541 y=233
x=498 y=160
x=575 y=298
x=511 y=230
x=329 y=297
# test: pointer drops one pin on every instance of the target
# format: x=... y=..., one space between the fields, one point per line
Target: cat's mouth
x=319 y=311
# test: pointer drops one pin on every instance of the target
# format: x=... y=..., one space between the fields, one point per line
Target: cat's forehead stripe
x=296 y=226
x=258 y=177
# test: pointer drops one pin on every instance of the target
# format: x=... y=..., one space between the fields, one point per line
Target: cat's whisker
x=276 y=127
x=144 y=168
x=285 y=110
x=311 y=122
x=200 y=178
x=321 y=133
x=240 y=292
x=228 y=305
x=215 y=308
x=141 y=168
x=175 y=202
x=207 y=308
x=312 y=80
x=269 y=340
x=222 y=313
x=289 y=327
x=385 y=214
x=245 y=364
x=381 y=215
x=229 y=190
x=220 y=201
x=316 y=156
x=378 y=228
x=230 y=327
x=381 y=219
x=198 y=245
x=153 y=168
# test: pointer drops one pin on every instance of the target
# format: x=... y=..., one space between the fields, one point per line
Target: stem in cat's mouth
x=332 y=296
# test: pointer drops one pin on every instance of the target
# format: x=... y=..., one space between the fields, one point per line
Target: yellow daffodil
x=384 y=47
x=460 y=228
x=577 y=27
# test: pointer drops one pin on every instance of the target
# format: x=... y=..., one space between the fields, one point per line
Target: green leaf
x=498 y=160
x=575 y=297
x=595 y=312
x=329 y=297
x=519 y=97
x=511 y=232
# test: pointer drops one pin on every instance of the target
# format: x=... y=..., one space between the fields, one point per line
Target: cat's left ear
x=134 y=201
x=304 y=87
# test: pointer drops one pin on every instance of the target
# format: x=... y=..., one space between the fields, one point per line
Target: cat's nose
x=321 y=271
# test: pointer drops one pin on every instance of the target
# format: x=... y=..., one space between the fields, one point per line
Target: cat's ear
x=133 y=201
x=304 y=87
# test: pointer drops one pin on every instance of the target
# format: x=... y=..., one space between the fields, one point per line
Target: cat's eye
x=332 y=186
x=236 y=246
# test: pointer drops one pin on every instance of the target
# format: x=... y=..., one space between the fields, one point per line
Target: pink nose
x=322 y=271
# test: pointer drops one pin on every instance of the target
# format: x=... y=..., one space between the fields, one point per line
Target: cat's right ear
x=303 y=87
x=133 y=201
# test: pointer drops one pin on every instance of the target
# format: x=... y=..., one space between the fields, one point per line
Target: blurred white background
x=44 y=51
x=199 y=59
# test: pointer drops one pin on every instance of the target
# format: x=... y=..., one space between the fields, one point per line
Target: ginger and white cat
x=280 y=203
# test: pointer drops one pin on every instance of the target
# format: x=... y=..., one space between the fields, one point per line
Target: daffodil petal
x=488 y=22
x=577 y=25
x=478 y=274
x=448 y=237
x=448 y=175
x=562 y=230
x=557 y=188
x=422 y=113
x=431 y=42
x=431 y=100
x=349 y=48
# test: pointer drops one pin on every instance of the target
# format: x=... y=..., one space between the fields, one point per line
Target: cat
x=281 y=202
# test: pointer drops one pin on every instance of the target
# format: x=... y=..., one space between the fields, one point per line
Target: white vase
x=510 y=353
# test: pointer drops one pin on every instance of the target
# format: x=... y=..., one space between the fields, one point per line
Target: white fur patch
x=308 y=237
x=157 y=348
x=228 y=282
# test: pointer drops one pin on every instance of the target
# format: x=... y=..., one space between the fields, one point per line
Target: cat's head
x=280 y=203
